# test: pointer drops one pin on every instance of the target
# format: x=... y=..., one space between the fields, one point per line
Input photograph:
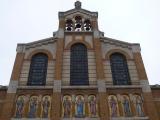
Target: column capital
x=101 y=85
x=57 y=86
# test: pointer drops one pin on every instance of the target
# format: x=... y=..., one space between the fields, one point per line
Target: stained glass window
x=79 y=65
x=38 y=69
x=119 y=69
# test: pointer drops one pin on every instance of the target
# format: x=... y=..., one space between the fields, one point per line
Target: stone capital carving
x=57 y=86
x=101 y=85
x=13 y=85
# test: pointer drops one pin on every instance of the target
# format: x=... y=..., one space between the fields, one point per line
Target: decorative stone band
x=101 y=85
x=81 y=119
x=145 y=86
x=130 y=118
x=50 y=119
x=30 y=119
x=13 y=85
x=136 y=48
x=57 y=86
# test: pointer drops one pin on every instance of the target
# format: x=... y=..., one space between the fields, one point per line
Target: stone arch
x=78 y=41
x=48 y=53
x=109 y=53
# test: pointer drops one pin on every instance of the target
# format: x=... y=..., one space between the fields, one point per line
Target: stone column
x=103 y=108
x=9 y=104
x=56 y=101
x=150 y=109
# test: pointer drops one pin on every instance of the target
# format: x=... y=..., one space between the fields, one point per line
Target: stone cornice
x=83 y=11
x=118 y=42
x=37 y=43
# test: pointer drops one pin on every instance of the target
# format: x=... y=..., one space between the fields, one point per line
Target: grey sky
x=135 y=21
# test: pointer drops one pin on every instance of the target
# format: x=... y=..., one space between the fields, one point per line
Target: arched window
x=119 y=69
x=38 y=69
x=79 y=65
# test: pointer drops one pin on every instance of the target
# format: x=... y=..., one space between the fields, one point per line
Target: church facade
x=79 y=74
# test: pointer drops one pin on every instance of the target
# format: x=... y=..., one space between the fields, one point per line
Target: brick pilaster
x=150 y=109
x=8 y=107
x=103 y=108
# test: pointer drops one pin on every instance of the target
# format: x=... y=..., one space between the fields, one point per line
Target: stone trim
x=57 y=86
x=110 y=52
x=130 y=118
x=30 y=119
x=13 y=85
x=145 y=86
x=80 y=87
x=123 y=86
x=101 y=85
x=80 y=118
x=35 y=87
x=48 y=53
x=136 y=48
x=68 y=46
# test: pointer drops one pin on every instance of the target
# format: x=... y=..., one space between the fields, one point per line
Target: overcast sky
x=135 y=21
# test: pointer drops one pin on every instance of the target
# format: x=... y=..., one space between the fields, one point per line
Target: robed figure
x=33 y=107
x=126 y=107
x=46 y=106
x=92 y=106
x=113 y=107
x=67 y=107
x=139 y=105
x=80 y=106
x=19 y=108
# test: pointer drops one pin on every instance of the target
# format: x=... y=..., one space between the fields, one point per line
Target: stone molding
x=80 y=87
x=30 y=118
x=101 y=85
x=13 y=85
x=21 y=48
x=145 y=86
x=136 y=48
x=80 y=119
x=57 y=86
x=35 y=87
x=129 y=118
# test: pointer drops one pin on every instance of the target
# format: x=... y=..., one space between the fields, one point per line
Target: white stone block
x=13 y=85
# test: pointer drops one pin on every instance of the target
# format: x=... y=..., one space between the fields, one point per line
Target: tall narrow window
x=38 y=69
x=79 y=65
x=119 y=69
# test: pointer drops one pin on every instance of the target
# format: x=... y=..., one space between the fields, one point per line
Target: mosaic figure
x=46 y=106
x=92 y=105
x=126 y=106
x=139 y=105
x=33 y=107
x=79 y=106
x=19 y=107
x=113 y=106
x=67 y=106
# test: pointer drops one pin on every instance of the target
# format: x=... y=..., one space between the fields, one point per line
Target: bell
x=78 y=25
x=69 y=29
x=87 y=28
